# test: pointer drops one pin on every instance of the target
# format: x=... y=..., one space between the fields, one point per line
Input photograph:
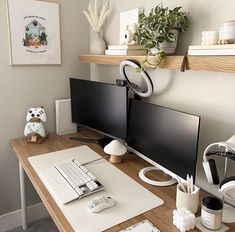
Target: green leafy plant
x=156 y=28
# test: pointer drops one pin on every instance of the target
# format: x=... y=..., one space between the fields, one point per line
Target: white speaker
x=64 y=123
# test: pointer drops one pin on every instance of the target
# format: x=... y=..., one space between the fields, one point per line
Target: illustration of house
x=35 y=34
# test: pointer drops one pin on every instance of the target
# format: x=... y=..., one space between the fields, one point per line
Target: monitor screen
x=99 y=106
x=167 y=137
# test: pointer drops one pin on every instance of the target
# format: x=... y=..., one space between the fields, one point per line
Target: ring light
x=136 y=89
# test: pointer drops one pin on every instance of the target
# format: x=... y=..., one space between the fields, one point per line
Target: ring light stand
x=135 y=88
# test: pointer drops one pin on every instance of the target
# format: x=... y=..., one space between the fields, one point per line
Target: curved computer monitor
x=166 y=138
x=99 y=106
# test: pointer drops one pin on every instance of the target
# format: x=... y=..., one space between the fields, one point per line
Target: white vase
x=98 y=45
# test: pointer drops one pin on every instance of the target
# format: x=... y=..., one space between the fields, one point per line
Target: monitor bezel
x=97 y=130
x=154 y=163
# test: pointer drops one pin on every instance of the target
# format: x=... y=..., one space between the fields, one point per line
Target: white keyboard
x=69 y=180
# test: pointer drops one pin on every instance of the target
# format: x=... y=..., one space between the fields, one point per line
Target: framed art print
x=34 y=32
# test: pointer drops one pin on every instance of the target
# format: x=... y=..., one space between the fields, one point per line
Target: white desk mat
x=131 y=198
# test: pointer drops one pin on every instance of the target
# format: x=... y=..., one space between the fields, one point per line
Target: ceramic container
x=187 y=200
x=211 y=213
x=227 y=30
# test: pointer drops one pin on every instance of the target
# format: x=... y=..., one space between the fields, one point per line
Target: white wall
x=207 y=94
x=22 y=87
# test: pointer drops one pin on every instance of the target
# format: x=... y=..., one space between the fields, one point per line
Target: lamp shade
x=115 y=148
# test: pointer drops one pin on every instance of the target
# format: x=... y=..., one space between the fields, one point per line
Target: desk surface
x=161 y=216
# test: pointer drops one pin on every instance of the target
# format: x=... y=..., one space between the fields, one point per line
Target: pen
x=191 y=182
x=188 y=184
x=181 y=184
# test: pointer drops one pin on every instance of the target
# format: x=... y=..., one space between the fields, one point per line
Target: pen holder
x=188 y=200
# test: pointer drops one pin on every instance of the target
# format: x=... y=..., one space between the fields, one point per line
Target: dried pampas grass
x=95 y=19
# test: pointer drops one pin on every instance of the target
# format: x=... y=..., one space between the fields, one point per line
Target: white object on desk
x=183 y=219
x=64 y=123
x=115 y=149
x=100 y=203
x=127 y=192
x=187 y=200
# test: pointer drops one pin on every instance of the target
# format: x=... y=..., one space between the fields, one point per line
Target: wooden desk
x=160 y=216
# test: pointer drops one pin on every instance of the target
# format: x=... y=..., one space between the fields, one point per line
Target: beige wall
x=22 y=87
x=207 y=94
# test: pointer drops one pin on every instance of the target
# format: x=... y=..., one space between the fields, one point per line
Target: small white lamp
x=115 y=149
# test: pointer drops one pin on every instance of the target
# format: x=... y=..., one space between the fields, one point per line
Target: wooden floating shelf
x=170 y=62
x=195 y=63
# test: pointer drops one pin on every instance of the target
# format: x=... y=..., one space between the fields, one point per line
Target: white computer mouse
x=100 y=203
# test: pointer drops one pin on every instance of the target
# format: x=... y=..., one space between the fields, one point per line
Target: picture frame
x=34 y=32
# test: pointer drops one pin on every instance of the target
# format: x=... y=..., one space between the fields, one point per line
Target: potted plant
x=158 y=32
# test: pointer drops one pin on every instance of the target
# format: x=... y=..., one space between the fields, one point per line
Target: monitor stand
x=142 y=176
x=101 y=141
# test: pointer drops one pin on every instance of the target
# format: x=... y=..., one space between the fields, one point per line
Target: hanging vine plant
x=156 y=28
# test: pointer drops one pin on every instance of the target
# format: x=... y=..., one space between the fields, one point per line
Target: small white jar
x=211 y=213
x=227 y=30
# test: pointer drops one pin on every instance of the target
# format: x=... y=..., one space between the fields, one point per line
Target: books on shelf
x=126 y=52
x=216 y=50
x=125 y=46
x=126 y=49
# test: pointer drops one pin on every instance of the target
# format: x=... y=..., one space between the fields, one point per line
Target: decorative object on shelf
x=227 y=31
x=128 y=26
x=97 y=21
x=209 y=37
x=135 y=88
x=34 y=129
x=98 y=45
x=216 y=50
x=126 y=49
x=34 y=32
x=115 y=149
x=129 y=34
x=158 y=32
x=183 y=219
